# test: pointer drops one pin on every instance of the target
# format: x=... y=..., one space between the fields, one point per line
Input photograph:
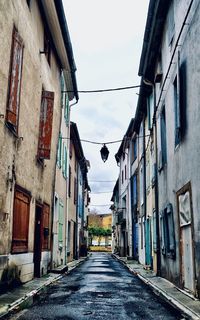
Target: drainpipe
x=67 y=195
x=53 y=195
x=144 y=170
x=156 y=192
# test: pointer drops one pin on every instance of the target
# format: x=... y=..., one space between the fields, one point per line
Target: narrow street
x=101 y=288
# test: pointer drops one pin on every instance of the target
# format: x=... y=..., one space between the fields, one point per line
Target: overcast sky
x=107 y=38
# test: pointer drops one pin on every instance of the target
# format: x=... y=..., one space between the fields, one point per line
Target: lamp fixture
x=104 y=153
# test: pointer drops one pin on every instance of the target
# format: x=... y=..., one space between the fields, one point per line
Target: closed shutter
x=15 y=81
x=45 y=225
x=61 y=222
x=20 y=222
x=59 y=151
x=46 y=120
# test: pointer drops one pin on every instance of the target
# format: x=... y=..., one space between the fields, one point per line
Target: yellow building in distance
x=100 y=232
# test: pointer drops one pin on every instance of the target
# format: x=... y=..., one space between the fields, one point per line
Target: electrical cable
x=101 y=192
x=104 y=90
x=108 y=142
x=101 y=180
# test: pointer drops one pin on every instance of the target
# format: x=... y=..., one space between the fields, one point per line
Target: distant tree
x=95 y=231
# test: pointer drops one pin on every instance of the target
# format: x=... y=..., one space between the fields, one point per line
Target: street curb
x=27 y=299
x=161 y=293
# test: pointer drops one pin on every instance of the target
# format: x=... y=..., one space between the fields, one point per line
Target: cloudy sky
x=107 y=38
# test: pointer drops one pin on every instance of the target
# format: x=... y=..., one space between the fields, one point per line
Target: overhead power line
x=101 y=192
x=101 y=180
x=108 y=142
x=104 y=90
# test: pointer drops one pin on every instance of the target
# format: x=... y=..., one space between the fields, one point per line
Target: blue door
x=135 y=241
x=148 y=256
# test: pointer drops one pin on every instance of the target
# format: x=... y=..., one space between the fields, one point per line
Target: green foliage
x=99 y=232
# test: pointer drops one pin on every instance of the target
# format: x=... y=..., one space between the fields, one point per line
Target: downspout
x=67 y=195
x=53 y=190
x=77 y=213
x=144 y=170
x=156 y=193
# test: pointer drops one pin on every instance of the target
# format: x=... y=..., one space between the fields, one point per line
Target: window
x=28 y=2
x=171 y=24
x=46 y=120
x=150 y=111
x=45 y=225
x=70 y=149
x=176 y=113
x=134 y=149
x=167 y=231
x=60 y=224
x=12 y=111
x=21 y=212
x=68 y=236
x=59 y=150
x=69 y=186
x=134 y=193
x=47 y=46
x=180 y=101
x=163 y=137
x=75 y=190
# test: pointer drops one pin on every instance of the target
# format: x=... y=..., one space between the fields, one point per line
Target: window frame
x=168 y=232
x=163 y=136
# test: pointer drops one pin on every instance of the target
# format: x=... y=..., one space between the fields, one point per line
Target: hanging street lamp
x=104 y=153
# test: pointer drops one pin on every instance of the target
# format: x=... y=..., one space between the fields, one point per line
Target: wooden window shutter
x=12 y=113
x=45 y=226
x=20 y=222
x=46 y=120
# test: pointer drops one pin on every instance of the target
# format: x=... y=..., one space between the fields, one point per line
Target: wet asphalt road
x=101 y=288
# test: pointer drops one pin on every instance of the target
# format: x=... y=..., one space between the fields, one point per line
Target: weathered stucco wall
x=21 y=153
x=182 y=160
